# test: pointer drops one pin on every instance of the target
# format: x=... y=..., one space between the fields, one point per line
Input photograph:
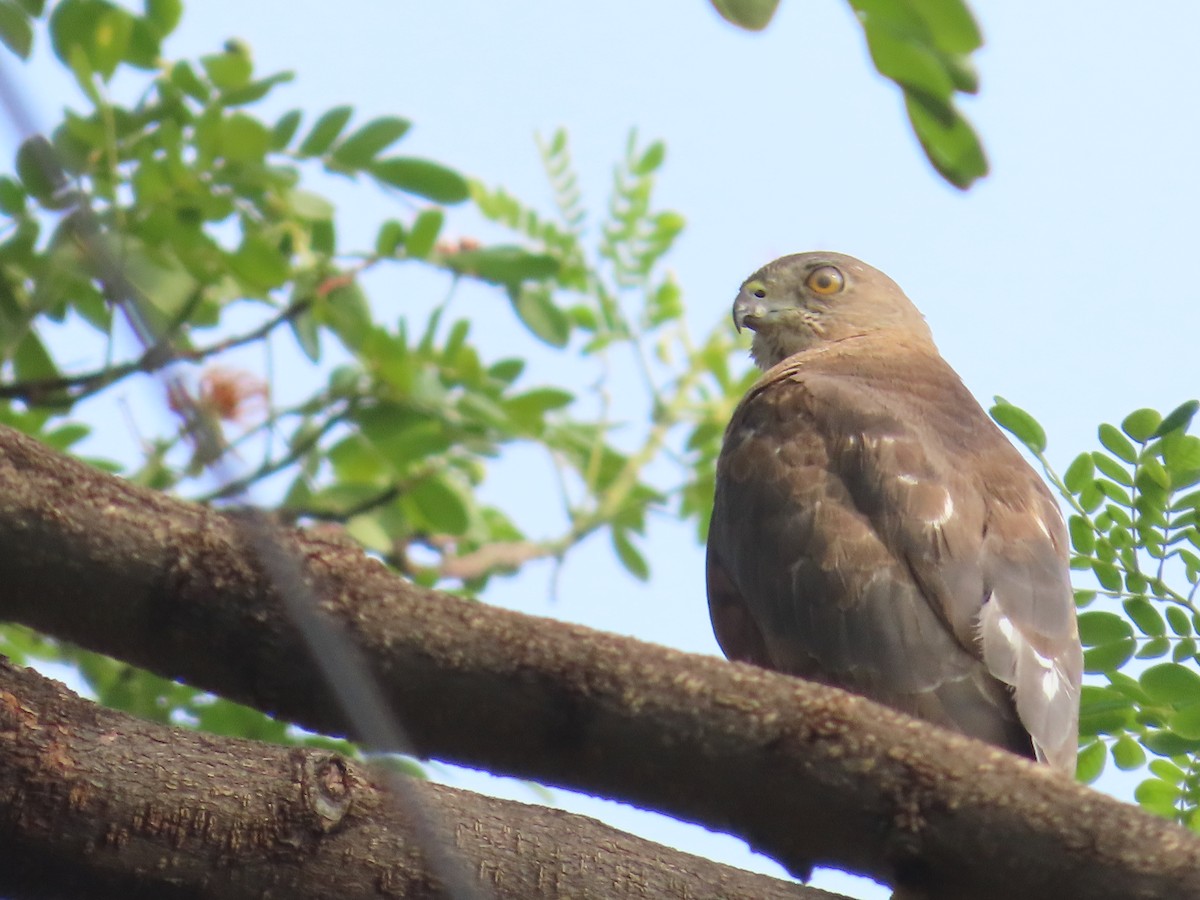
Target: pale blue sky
x=1063 y=281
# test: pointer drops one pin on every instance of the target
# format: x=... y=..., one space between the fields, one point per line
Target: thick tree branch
x=803 y=772
x=99 y=804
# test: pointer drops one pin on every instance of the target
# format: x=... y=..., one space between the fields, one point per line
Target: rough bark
x=803 y=772
x=95 y=803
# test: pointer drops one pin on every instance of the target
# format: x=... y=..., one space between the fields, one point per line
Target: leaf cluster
x=1134 y=526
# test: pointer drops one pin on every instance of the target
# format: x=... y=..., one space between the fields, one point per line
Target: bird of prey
x=874 y=530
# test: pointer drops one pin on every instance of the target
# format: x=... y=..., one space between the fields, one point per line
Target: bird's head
x=807 y=299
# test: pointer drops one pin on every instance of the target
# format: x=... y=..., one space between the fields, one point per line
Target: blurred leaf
x=631 y=558
x=1186 y=722
x=357 y=150
x=442 y=507
x=1090 y=762
x=37 y=169
x=753 y=15
x=537 y=311
x=260 y=264
x=228 y=71
x=325 y=131
x=421 y=177
x=15 y=30
x=650 y=160
x=424 y=233
x=285 y=129
x=503 y=265
x=1157 y=796
x=164 y=14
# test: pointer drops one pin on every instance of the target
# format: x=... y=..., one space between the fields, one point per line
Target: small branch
x=238 y=486
x=43 y=390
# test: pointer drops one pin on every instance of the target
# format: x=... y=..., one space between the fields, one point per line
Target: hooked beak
x=749 y=311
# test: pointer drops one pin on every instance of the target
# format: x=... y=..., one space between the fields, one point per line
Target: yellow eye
x=825 y=281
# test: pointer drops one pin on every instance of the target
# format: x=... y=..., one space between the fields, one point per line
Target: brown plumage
x=874 y=530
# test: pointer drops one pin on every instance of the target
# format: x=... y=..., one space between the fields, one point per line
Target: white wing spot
x=1041 y=524
x=947 y=510
x=910 y=480
x=1050 y=682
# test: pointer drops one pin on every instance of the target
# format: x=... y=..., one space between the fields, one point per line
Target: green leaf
x=650 y=159
x=1021 y=424
x=1141 y=424
x=1145 y=616
x=1107 y=574
x=1179 y=621
x=1128 y=754
x=631 y=558
x=1079 y=473
x=537 y=311
x=948 y=140
x=421 y=177
x=1083 y=535
x=1097 y=628
x=304 y=328
x=1157 y=796
x=15 y=30
x=424 y=234
x=951 y=25
x=1186 y=722
x=66 y=436
x=913 y=64
x=260 y=264
x=1117 y=444
x=254 y=91
x=1153 y=648
x=1172 y=684
x=37 y=169
x=284 y=129
x=325 y=131
x=1178 y=419
x=1167 y=771
x=503 y=265
x=528 y=409
x=310 y=206
x=243 y=139
x=389 y=239
x=164 y=15
x=1112 y=468
x=753 y=15
x=1167 y=743
x=442 y=506
x=357 y=150
x=1181 y=456
x=1109 y=639
x=1090 y=762
x=228 y=71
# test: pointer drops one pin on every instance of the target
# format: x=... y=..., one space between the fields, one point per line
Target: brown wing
x=858 y=539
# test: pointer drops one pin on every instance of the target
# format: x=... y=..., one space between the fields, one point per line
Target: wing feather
x=882 y=535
